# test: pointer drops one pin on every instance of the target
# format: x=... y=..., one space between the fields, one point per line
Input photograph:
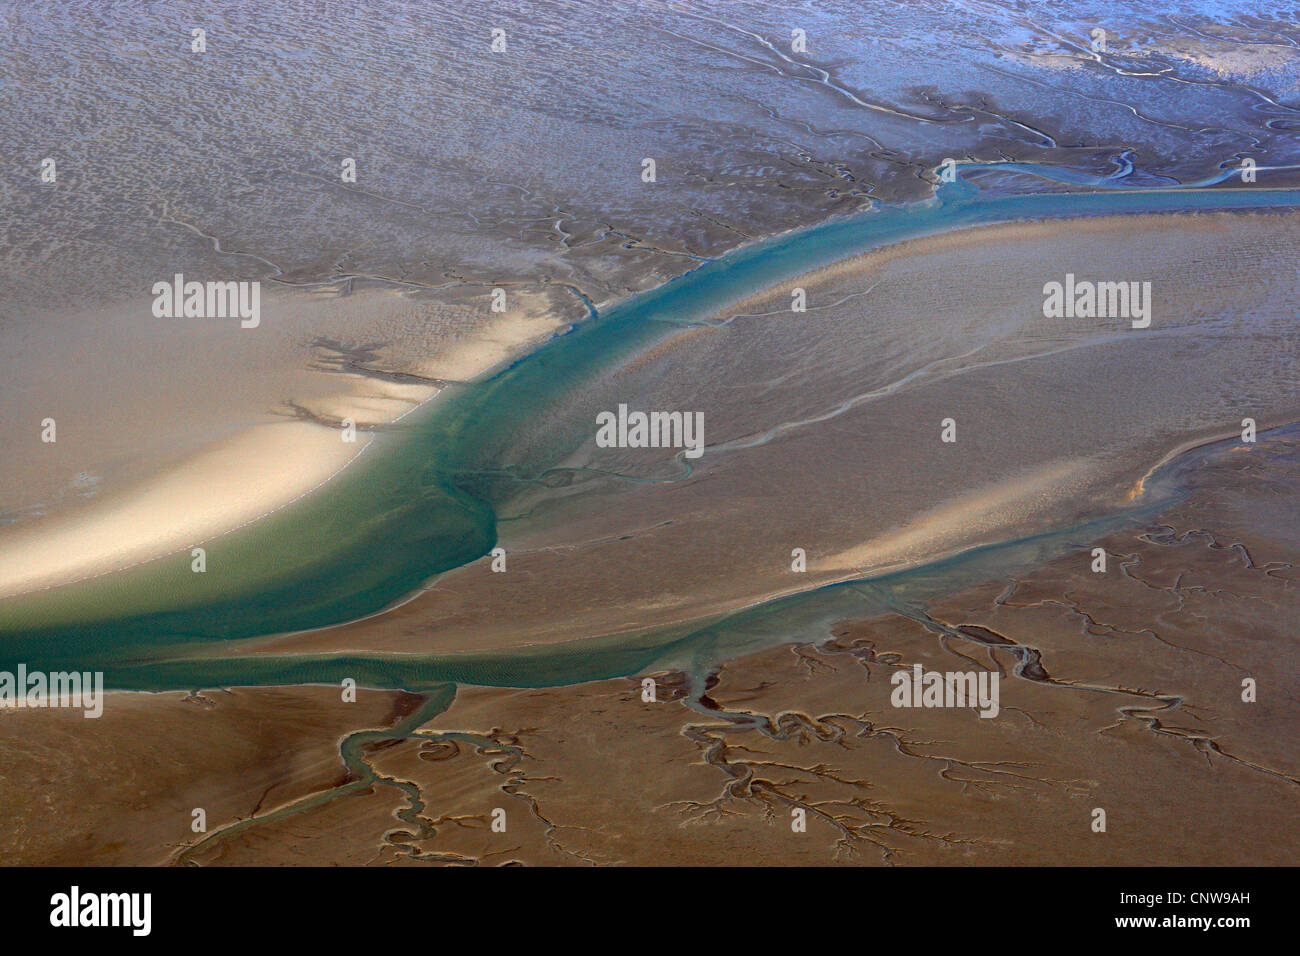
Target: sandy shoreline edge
x=286 y=443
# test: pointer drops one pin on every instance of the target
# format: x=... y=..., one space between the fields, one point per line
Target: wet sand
x=132 y=778
x=177 y=431
x=1135 y=707
x=824 y=428
x=1132 y=705
x=521 y=170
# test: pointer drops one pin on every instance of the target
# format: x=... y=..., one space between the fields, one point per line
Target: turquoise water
x=426 y=498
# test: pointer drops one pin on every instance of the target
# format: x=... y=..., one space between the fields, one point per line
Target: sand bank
x=173 y=432
x=824 y=427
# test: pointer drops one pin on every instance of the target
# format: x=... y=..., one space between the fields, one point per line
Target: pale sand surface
x=184 y=429
x=824 y=427
x=1139 y=714
x=216 y=490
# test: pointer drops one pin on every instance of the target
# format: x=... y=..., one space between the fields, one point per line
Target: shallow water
x=426 y=499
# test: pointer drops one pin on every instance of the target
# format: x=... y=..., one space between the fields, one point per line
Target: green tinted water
x=424 y=498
